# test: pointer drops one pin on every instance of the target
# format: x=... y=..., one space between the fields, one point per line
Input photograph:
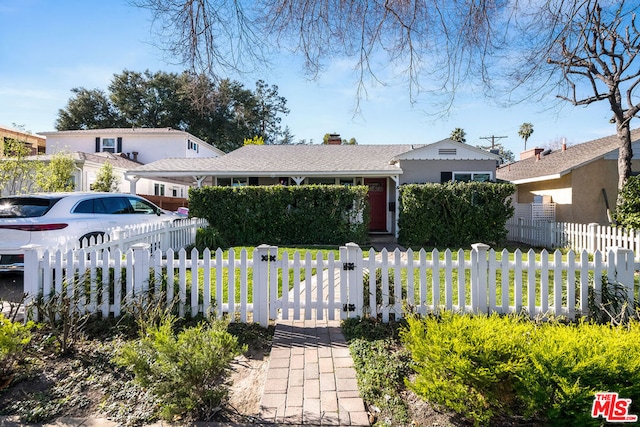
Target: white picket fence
x=249 y=287
x=589 y=237
x=169 y=234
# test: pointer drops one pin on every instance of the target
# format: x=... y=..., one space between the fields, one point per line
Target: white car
x=56 y=219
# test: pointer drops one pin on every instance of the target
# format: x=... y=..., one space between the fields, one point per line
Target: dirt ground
x=246 y=387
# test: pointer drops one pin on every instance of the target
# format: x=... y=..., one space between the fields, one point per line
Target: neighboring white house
x=127 y=149
x=144 y=145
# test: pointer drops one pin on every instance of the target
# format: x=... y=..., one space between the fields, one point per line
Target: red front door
x=377 y=203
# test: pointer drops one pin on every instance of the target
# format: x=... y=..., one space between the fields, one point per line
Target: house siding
x=414 y=171
x=559 y=190
x=149 y=146
x=578 y=195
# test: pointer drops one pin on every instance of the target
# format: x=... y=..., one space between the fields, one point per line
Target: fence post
x=263 y=307
x=165 y=238
x=592 y=238
x=624 y=267
x=552 y=230
x=32 y=278
x=479 y=277
x=117 y=236
x=140 y=267
x=354 y=283
x=521 y=230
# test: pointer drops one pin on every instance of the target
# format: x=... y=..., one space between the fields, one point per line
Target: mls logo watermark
x=612 y=408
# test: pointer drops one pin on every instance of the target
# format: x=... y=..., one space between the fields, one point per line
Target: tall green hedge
x=627 y=214
x=278 y=215
x=454 y=214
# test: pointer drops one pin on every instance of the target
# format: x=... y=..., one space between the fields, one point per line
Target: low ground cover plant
x=136 y=369
x=185 y=370
x=489 y=368
x=14 y=337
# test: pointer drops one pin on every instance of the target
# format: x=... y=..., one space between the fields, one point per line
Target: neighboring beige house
x=36 y=144
x=381 y=167
x=580 y=182
x=126 y=149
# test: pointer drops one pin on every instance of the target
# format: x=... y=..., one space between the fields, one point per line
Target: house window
x=321 y=181
x=174 y=192
x=472 y=176
x=193 y=146
x=158 y=189
x=109 y=145
x=446 y=177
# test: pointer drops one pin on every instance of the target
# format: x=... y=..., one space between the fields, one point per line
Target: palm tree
x=458 y=134
x=526 y=129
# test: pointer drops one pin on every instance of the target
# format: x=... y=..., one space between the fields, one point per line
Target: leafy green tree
x=627 y=214
x=148 y=99
x=222 y=112
x=87 y=109
x=269 y=106
x=287 y=136
x=458 y=134
x=16 y=170
x=57 y=175
x=525 y=131
x=106 y=180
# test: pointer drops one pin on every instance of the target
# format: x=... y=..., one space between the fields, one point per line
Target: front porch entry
x=377 y=203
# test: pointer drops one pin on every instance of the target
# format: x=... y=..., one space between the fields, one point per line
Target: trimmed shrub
x=209 y=238
x=454 y=214
x=279 y=215
x=185 y=371
x=489 y=367
x=14 y=337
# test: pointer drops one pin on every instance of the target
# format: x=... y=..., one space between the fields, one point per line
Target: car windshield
x=25 y=207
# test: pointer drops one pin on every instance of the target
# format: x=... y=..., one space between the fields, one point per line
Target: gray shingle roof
x=289 y=159
x=558 y=162
x=116 y=160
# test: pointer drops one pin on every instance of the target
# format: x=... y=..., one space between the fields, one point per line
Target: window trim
x=472 y=173
x=107 y=149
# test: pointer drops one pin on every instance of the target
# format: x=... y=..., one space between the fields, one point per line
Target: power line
x=493 y=139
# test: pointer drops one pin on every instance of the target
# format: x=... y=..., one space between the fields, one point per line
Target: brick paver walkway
x=311 y=379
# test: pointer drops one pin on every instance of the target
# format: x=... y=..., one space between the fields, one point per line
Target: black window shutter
x=119 y=150
x=445 y=177
x=97 y=144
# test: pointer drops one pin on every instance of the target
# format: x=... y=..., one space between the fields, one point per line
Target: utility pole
x=493 y=139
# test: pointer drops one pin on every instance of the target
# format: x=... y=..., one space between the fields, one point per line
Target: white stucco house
x=126 y=149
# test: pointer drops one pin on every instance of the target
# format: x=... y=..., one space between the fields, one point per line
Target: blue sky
x=48 y=47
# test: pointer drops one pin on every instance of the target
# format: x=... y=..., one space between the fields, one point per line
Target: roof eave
x=263 y=173
x=537 y=179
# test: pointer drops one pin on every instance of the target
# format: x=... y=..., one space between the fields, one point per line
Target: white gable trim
x=447 y=149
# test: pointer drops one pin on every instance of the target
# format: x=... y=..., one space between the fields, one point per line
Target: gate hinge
x=268 y=258
x=348 y=307
x=349 y=266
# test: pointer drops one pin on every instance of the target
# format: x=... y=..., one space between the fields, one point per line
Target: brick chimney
x=334 y=139
x=534 y=152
